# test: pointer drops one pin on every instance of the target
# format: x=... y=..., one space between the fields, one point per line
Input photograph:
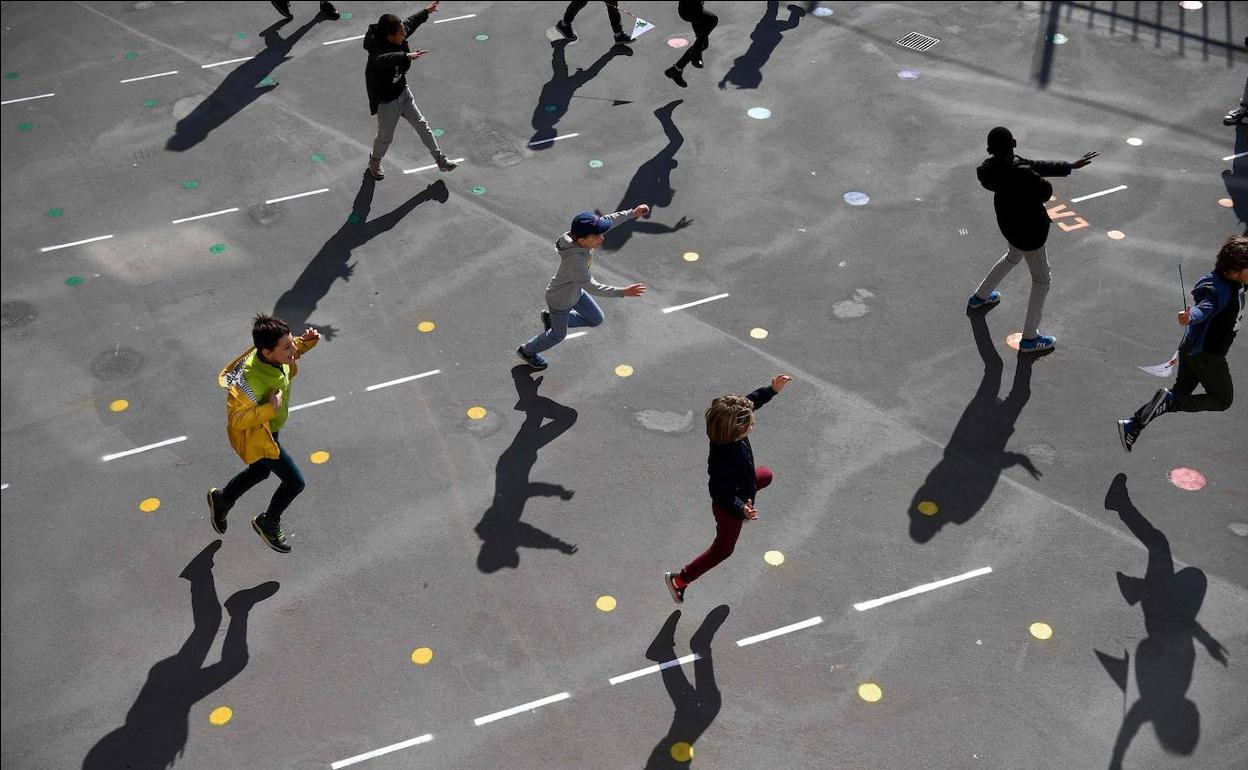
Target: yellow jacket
x=247 y=422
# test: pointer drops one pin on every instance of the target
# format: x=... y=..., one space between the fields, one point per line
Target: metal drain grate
x=917 y=41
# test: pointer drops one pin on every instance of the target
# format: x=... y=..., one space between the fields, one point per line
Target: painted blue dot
x=908 y=74
x=855 y=198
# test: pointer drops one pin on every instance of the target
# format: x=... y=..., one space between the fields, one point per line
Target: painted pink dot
x=677 y=42
x=1187 y=478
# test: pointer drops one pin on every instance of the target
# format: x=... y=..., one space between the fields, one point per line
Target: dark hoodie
x=385 y=75
x=1021 y=192
x=1215 y=317
x=731 y=466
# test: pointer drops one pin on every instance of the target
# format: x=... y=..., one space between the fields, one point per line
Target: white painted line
x=780 y=631
x=455 y=18
x=76 y=243
x=4 y=486
x=555 y=139
x=522 y=707
x=26 y=99
x=574 y=335
x=343 y=40
x=426 y=168
x=149 y=77
x=223 y=63
x=204 y=216
x=318 y=402
x=1098 y=194
x=862 y=606
x=383 y=750
x=299 y=195
x=1228 y=157
x=402 y=380
x=691 y=304
x=157 y=445
x=654 y=669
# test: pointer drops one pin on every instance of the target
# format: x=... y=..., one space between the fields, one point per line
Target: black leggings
x=613 y=14
x=703 y=22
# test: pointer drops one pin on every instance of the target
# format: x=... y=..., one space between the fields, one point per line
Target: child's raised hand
x=636 y=290
x=1185 y=316
x=310 y=334
x=750 y=512
x=779 y=381
x=642 y=211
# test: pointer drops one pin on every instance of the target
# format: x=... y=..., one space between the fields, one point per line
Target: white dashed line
x=433 y=165
x=1098 y=194
x=318 y=402
x=227 y=61
x=531 y=705
x=653 y=669
x=135 y=451
x=455 y=18
x=26 y=99
x=554 y=139
x=204 y=216
x=402 y=380
x=691 y=304
x=298 y=195
x=861 y=606
x=76 y=243
x=4 y=486
x=149 y=77
x=383 y=750
x=574 y=335
x=779 y=631
x=343 y=40
x=1228 y=157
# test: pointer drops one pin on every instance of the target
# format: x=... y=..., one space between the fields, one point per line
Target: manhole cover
x=16 y=313
x=116 y=364
x=917 y=41
x=265 y=213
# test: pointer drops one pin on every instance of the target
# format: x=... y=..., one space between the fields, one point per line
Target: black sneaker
x=330 y=12
x=677 y=76
x=678 y=594
x=535 y=360
x=283 y=8
x=1235 y=116
x=217 y=511
x=623 y=38
x=1127 y=433
x=1155 y=406
x=697 y=61
x=546 y=319
x=273 y=537
x=566 y=30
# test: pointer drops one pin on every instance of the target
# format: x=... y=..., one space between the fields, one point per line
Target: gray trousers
x=388 y=114
x=1038 y=263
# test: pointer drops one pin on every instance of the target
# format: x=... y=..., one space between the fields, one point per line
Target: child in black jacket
x=734 y=481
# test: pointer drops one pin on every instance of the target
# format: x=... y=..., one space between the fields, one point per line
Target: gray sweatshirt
x=573 y=274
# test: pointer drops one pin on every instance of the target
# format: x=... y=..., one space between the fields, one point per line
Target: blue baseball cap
x=588 y=223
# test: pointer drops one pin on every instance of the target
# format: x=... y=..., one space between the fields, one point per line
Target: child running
x=257 y=404
x=1209 y=329
x=567 y=293
x=734 y=481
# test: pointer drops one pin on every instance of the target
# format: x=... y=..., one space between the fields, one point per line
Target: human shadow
x=1165 y=658
x=557 y=93
x=747 y=69
x=501 y=531
x=651 y=184
x=155 y=732
x=1236 y=177
x=239 y=88
x=696 y=706
x=961 y=483
x=331 y=262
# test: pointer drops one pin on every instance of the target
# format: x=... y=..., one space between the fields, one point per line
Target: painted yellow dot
x=476 y=412
x=870 y=692
x=422 y=655
x=624 y=370
x=1014 y=339
x=928 y=508
x=149 y=505
x=758 y=333
x=1117 y=235
x=120 y=405
x=605 y=603
x=221 y=715
x=774 y=558
x=320 y=456
x=426 y=326
x=1226 y=203
x=682 y=752
x=690 y=256
x=1041 y=630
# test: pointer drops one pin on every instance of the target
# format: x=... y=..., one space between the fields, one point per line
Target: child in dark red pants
x=734 y=481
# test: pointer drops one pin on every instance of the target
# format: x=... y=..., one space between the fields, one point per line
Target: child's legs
x=411 y=113
x=244 y=480
x=1041 y=277
x=1005 y=264
x=1209 y=371
x=727 y=530
x=388 y=114
x=548 y=339
x=292 y=484
x=585 y=313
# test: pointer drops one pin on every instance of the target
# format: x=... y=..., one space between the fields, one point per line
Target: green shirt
x=261 y=379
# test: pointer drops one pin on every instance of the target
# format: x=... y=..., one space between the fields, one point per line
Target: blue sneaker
x=975 y=303
x=1037 y=344
x=535 y=360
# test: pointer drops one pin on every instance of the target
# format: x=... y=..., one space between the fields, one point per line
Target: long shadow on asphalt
x=696 y=706
x=156 y=727
x=557 y=94
x=1236 y=178
x=501 y=531
x=747 y=69
x=961 y=483
x=651 y=184
x=331 y=262
x=240 y=88
x=1164 y=659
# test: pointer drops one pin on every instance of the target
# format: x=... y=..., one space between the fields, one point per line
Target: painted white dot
x=823 y=12
x=1191 y=5
x=1134 y=141
x=855 y=198
x=908 y=74
x=758 y=113
x=1057 y=38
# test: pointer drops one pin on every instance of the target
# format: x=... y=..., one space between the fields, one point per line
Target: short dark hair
x=1233 y=255
x=267 y=331
x=388 y=24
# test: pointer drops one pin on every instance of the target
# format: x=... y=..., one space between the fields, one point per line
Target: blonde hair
x=729 y=418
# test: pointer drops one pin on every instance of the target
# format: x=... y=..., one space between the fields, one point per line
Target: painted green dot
x=268 y=82
x=354 y=218
x=132 y=55
x=482 y=38
x=190 y=184
x=478 y=190
x=25 y=126
x=595 y=163
x=317 y=158
x=438 y=131
x=73 y=280
x=55 y=212
x=217 y=248
x=345 y=16
x=551 y=108
x=149 y=102
x=240 y=35
x=11 y=76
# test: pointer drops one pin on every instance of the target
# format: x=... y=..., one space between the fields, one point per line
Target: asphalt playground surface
x=481 y=538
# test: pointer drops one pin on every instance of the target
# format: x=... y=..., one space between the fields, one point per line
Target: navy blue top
x=731 y=466
x=1215 y=316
